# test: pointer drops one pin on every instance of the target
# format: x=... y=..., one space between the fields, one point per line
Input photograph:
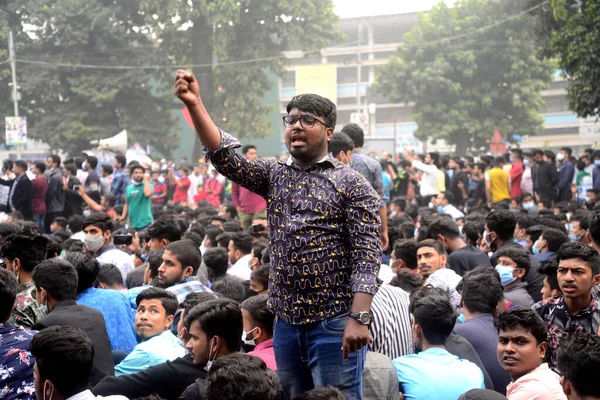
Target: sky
x=364 y=8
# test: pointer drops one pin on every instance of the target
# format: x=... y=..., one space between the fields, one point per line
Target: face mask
x=527 y=206
x=512 y=160
x=210 y=359
x=460 y=228
x=87 y=213
x=161 y=179
x=526 y=162
x=43 y=309
x=597 y=163
x=416 y=231
x=394 y=213
x=488 y=243
x=249 y=342
x=430 y=205
x=560 y=156
x=573 y=237
x=93 y=243
x=535 y=248
x=400 y=169
x=506 y=274
x=516 y=240
x=440 y=209
x=83 y=166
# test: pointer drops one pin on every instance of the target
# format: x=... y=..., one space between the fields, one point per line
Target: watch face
x=365 y=318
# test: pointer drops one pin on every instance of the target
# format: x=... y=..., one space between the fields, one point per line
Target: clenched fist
x=187 y=88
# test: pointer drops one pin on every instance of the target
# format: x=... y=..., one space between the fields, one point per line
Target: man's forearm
x=362 y=302
x=206 y=129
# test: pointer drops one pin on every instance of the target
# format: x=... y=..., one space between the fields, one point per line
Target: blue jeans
x=38 y=220
x=310 y=356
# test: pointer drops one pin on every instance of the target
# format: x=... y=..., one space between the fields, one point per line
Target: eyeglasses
x=306 y=121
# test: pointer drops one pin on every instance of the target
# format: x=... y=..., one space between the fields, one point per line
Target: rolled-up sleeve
x=363 y=226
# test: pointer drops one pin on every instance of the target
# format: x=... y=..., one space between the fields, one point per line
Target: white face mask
x=249 y=342
x=488 y=244
x=93 y=243
x=210 y=359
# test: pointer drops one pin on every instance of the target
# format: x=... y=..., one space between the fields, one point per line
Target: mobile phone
x=257 y=228
x=76 y=188
x=122 y=240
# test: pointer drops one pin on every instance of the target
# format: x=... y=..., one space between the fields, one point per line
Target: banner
x=16 y=131
x=319 y=79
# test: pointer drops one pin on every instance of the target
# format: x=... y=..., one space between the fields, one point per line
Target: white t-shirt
x=428 y=185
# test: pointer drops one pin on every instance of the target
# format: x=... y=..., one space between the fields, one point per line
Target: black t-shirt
x=466 y=259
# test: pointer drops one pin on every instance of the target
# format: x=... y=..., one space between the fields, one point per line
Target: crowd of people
x=328 y=274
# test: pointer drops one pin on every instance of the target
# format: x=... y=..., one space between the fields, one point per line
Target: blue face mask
x=535 y=249
x=516 y=240
x=526 y=162
x=512 y=160
x=506 y=274
x=527 y=206
x=597 y=162
x=440 y=209
x=416 y=232
x=573 y=237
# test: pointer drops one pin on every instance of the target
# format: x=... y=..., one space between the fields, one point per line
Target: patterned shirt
x=26 y=311
x=16 y=363
x=119 y=183
x=323 y=230
x=189 y=285
x=391 y=329
x=561 y=324
x=371 y=169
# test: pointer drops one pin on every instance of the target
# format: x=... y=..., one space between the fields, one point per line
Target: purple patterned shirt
x=323 y=231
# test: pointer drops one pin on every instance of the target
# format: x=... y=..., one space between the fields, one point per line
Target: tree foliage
x=470 y=70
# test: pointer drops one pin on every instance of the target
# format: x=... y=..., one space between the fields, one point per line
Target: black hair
x=448 y=196
x=40 y=166
x=594 y=228
x=217 y=259
x=552 y=222
x=232 y=227
x=242 y=376
x=54 y=246
x=554 y=238
x=583 y=219
x=258 y=247
x=71 y=168
x=525 y=318
x=165 y=227
x=230 y=286
x=517 y=254
x=55 y=159
x=443 y=226
x=58 y=277
x=434 y=314
x=473 y=230
x=576 y=250
x=194 y=237
x=132 y=168
x=87 y=268
x=28 y=248
x=219 y=317
x=110 y=275
x=323 y=393
x=110 y=200
x=534 y=232
x=578 y=361
x=65 y=356
x=60 y=221
x=355 y=133
x=100 y=220
x=21 y=164
x=525 y=221
x=503 y=223
x=407 y=230
x=9 y=288
x=407 y=280
x=316 y=105
x=155 y=261
x=107 y=168
x=92 y=161
x=193 y=299
x=549 y=268
x=187 y=253
x=481 y=293
x=120 y=159
x=211 y=232
x=242 y=242
x=567 y=150
x=75 y=223
x=223 y=239
x=340 y=142
x=247 y=148
x=261 y=275
x=168 y=299
x=437 y=246
x=406 y=250
x=260 y=314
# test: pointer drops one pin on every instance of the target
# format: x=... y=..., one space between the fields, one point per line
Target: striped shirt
x=391 y=329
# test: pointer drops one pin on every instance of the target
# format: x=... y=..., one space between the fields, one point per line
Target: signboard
x=360 y=119
x=16 y=131
x=319 y=79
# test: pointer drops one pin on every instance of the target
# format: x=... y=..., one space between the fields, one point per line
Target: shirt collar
x=328 y=158
x=105 y=249
x=85 y=395
x=587 y=310
x=267 y=344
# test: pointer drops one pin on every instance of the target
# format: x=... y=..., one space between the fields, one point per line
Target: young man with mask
x=92 y=184
x=64 y=362
x=566 y=174
x=520 y=235
x=548 y=244
x=444 y=201
x=521 y=351
x=513 y=264
x=22 y=252
x=545 y=179
x=341 y=146
x=155 y=313
x=432 y=258
x=577 y=309
x=578 y=228
x=138 y=200
x=98 y=230
x=258 y=329
x=579 y=363
x=551 y=287
x=336 y=320
x=529 y=205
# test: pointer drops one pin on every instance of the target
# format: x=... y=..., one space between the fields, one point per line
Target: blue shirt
x=370 y=168
x=435 y=374
x=544 y=256
x=117 y=313
x=156 y=350
x=189 y=285
x=119 y=183
x=16 y=363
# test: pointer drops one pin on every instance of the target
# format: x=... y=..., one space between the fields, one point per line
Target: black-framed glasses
x=306 y=121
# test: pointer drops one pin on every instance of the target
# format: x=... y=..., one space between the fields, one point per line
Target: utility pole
x=358 y=68
x=13 y=70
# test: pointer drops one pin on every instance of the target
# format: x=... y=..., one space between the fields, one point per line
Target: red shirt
x=246 y=201
x=181 y=190
x=516 y=175
x=38 y=201
x=213 y=187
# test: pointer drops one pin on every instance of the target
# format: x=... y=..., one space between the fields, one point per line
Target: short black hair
x=187 y=253
x=481 y=293
x=60 y=221
x=526 y=221
x=448 y=196
x=442 y=226
x=110 y=275
x=107 y=168
x=65 y=356
x=242 y=242
x=549 y=268
x=71 y=168
x=355 y=133
x=518 y=254
x=217 y=259
x=503 y=223
x=594 y=228
x=219 y=317
x=75 y=223
x=534 y=232
x=100 y=220
x=406 y=250
x=257 y=248
x=155 y=261
x=554 y=238
x=261 y=275
x=576 y=250
x=232 y=227
x=132 y=168
x=87 y=268
x=8 y=293
x=260 y=314
x=92 y=161
x=55 y=159
x=407 y=280
x=168 y=299
x=193 y=299
x=194 y=237
x=165 y=227
x=223 y=239
x=120 y=159
x=323 y=393
x=434 y=314
x=30 y=249
x=340 y=142
x=473 y=231
x=58 y=277
x=583 y=218
x=524 y=318
x=567 y=150
x=242 y=376
x=230 y=286
x=437 y=246
x=316 y=105
x=40 y=166
x=247 y=148
x=578 y=361
x=211 y=232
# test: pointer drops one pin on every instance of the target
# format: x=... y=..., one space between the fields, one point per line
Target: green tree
x=470 y=70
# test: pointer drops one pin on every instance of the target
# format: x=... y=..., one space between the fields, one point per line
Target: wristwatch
x=364 y=317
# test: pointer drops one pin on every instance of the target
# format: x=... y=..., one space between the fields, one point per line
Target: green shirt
x=580 y=175
x=139 y=207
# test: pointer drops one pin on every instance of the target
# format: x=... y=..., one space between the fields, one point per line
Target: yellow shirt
x=499 y=182
x=440 y=183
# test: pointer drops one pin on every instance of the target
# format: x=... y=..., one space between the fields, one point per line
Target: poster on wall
x=16 y=131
